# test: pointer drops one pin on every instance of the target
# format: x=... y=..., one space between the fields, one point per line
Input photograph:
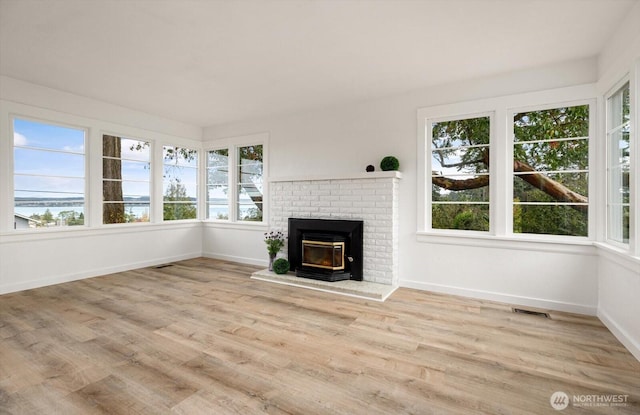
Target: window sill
x=81 y=231
x=254 y=226
x=619 y=256
x=579 y=246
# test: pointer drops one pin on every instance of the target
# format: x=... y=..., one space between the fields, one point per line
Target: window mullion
x=634 y=117
x=501 y=173
x=233 y=184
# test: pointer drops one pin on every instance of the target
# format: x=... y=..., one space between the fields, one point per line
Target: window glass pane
x=551 y=161
x=126 y=170
x=186 y=184
x=134 y=150
x=180 y=156
x=220 y=212
x=218 y=175
x=619 y=191
x=49 y=175
x=127 y=174
x=180 y=178
x=480 y=194
x=218 y=158
x=460 y=173
x=552 y=124
x=250 y=212
x=250 y=190
x=550 y=219
x=245 y=184
x=134 y=190
x=34 y=134
x=551 y=187
x=49 y=185
x=179 y=210
x=129 y=212
x=618 y=166
x=47 y=163
x=458 y=133
x=218 y=184
x=250 y=169
x=470 y=217
x=447 y=162
x=250 y=202
x=554 y=155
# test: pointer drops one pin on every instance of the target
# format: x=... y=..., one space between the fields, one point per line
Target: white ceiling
x=209 y=62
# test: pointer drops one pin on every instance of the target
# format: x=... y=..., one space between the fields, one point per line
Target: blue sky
x=49 y=162
x=55 y=173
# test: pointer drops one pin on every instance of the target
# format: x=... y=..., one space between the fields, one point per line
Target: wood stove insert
x=324 y=249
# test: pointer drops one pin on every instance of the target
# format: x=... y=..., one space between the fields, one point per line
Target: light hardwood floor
x=201 y=337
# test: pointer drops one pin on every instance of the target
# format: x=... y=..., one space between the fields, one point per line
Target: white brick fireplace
x=370 y=197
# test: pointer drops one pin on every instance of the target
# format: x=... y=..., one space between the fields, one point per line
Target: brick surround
x=370 y=197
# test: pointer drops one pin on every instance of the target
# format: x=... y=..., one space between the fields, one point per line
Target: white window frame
x=233 y=144
x=607 y=183
x=154 y=148
x=501 y=169
x=429 y=121
x=592 y=103
x=198 y=181
x=11 y=166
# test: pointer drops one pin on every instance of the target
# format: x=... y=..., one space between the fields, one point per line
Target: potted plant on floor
x=275 y=242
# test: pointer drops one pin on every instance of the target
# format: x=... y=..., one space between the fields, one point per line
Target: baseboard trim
x=621 y=334
x=60 y=279
x=502 y=298
x=239 y=259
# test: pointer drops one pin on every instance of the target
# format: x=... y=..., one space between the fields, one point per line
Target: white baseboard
x=59 y=279
x=234 y=258
x=633 y=345
x=503 y=298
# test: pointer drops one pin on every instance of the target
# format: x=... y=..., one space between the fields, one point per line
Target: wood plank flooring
x=201 y=337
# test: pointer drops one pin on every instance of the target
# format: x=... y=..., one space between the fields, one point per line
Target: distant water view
x=138 y=211
x=28 y=211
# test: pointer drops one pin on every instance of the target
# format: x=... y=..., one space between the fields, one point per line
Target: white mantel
x=370 y=197
x=352 y=176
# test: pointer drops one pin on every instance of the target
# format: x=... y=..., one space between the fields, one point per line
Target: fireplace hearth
x=324 y=249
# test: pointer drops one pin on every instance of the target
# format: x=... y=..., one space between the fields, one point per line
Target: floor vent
x=163 y=266
x=530 y=312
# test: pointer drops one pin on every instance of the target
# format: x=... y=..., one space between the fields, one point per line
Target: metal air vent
x=530 y=312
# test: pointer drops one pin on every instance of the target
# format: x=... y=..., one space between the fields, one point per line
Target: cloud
x=77 y=149
x=19 y=139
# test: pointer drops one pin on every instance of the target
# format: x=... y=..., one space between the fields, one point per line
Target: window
x=250 y=189
x=235 y=184
x=618 y=164
x=49 y=175
x=218 y=184
x=180 y=183
x=125 y=180
x=460 y=174
x=511 y=166
x=550 y=171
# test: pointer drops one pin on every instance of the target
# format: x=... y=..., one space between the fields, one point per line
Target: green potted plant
x=389 y=163
x=281 y=266
x=275 y=242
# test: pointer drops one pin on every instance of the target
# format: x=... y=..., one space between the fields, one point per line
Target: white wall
x=238 y=243
x=30 y=261
x=345 y=139
x=618 y=289
x=619 y=270
x=33 y=258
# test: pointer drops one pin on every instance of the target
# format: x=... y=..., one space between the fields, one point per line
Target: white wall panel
x=40 y=257
x=29 y=261
x=346 y=139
